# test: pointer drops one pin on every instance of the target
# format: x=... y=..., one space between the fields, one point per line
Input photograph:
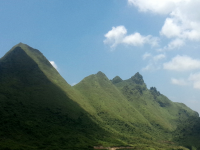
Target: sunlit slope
x=40 y=110
x=156 y=107
x=35 y=112
x=129 y=109
x=173 y=121
x=113 y=109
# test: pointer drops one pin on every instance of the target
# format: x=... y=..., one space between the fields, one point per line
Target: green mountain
x=138 y=114
x=36 y=111
x=169 y=120
x=40 y=110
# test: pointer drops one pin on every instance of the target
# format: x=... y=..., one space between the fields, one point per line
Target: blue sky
x=159 y=39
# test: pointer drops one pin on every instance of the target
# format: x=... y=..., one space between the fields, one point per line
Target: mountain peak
x=137 y=78
x=22 y=50
x=116 y=79
x=34 y=54
x=101 y=74
x=20 y=43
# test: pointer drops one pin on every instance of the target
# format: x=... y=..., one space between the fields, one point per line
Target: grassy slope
x=108 y=101
x=129 y=109
x=154 y=106
x=39 y=109
x=52 y=74
x=36 y=113
x=177 y=122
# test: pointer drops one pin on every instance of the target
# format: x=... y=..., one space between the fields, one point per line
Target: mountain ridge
x=37 y=103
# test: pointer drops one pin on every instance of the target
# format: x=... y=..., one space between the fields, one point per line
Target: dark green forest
x=40 y=110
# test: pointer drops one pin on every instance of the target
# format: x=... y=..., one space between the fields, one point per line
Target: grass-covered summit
x=138 y=114
x=36 y=106
x=40 y=110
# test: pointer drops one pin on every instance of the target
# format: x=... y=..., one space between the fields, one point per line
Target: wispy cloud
x=195 y=78
x=151 y=67
x=159 y=57
x=146 y=55
x=182 y=63
x=154 y=61
x=73 y=84
x=181 y=82
x=173 y=45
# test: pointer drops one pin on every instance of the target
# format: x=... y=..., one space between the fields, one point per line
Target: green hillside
x=35 y=112
x=173 y=121
x=40 y=110
x=135 y=113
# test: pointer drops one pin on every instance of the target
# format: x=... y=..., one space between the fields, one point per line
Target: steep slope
x=40 y=110
x=110 y=106
x=113 y=111
x=50 y=72
x=133 y=112
x=172 y=118
x=154 y=106
x=35 y=112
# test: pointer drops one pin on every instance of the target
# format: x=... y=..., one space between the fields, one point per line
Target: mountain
x=138 y=114
x=40 y=110
x=36 y=106
x=175 y=121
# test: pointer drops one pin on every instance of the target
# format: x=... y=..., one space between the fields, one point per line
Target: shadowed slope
x=40 y=110
x=37 y=114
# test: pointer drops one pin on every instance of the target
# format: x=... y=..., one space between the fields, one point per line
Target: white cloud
x=118 y=35
x=180 y=25
x=195 y=78
x=156 y=6
x=54 y=64
x=175 y=44
x=150 y=67
x=115 y=36
x=146 y=55
x=182 y=63
x=180 y=82
x=158 y=57
x=137 y=39
x=134 y=39
x=170 y=28
x=182 y=19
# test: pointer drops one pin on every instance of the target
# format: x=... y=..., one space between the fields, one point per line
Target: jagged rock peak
x=116 y=79
x=137 y=78
x=154 y=91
